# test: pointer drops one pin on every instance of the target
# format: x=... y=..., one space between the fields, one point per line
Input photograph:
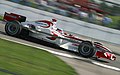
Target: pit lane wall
x=68 y=24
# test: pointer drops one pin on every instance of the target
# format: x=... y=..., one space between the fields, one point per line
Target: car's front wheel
x=86 y=49
x=13 y=28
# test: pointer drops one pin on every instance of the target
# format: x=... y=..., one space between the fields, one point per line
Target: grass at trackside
x=2 y=73
x=23 y=60
x=115 y=23
x=1 y=17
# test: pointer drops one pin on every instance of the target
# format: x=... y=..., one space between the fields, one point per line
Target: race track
x=82 y=65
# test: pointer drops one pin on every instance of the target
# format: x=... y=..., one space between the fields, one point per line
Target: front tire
x=86 y=49
x=13 y=28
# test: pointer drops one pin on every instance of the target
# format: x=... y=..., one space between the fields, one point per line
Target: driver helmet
x=54 y=20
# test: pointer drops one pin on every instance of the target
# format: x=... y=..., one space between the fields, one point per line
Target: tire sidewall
x=9 y=28
x=86 y=53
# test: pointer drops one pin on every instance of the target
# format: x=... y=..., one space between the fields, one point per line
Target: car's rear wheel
x=86 y=49
x=13 y=28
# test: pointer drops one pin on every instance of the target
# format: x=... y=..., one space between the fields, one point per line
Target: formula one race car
x=46 y=30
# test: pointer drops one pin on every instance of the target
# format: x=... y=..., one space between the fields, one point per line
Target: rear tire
x=86 y=49
x=13 y=28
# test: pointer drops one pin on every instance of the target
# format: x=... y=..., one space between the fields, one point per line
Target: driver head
x=54 y=20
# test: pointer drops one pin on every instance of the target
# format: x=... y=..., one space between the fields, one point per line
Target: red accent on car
x=54 y=20
x=73 y=37
x=13 y=16
x=106 y=55
x=48 y=22
x=100 y=54
x=102 y=47
x=75 y=44
x=53 y=37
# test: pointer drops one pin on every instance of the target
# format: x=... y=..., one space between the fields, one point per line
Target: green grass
x=1 y=17
x=3 y=73
x=23 y=60
x=115 y=23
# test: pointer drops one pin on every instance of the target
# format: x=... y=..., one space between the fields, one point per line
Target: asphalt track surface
x=82 y=66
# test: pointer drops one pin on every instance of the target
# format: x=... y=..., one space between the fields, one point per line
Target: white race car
x=45 y=30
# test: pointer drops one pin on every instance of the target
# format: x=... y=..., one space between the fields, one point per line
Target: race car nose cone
x=110 y=56
x=113 y=57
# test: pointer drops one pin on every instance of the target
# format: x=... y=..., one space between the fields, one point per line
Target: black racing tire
x=86 y=49
x=13 y=28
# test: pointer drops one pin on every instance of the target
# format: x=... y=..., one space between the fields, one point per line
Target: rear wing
x=13 y=16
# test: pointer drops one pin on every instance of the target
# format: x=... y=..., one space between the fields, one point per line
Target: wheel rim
x=12 y=28
x=85 y=50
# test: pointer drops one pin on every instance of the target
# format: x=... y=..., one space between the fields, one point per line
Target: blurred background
x=100 y=12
